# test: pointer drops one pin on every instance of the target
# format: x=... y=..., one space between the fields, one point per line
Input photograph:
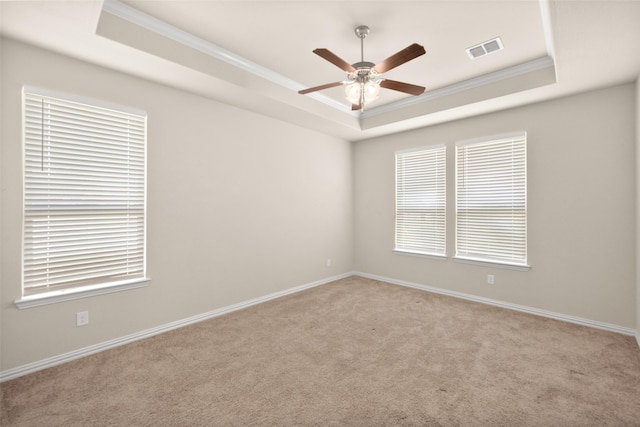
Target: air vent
x=485 y=48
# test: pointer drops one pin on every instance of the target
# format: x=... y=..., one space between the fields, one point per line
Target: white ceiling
x=258 y=54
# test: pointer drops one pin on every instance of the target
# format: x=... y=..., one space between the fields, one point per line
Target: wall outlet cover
x=82 y=318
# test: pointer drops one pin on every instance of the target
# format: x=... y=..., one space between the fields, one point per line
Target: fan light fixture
x=355 y=92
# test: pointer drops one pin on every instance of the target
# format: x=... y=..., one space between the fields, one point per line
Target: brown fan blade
x=313 y=89
x=335 y=59
x=405 y=55
x=402 y=87
x=355 y=107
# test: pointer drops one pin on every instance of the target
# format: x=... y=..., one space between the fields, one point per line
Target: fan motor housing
x=364 y=67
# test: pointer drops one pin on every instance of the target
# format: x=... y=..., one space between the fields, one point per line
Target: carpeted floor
x=355 y=352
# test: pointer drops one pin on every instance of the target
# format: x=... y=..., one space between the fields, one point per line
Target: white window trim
x=491 y=262
x=439 y=257
x=84 y=100
x=503 y=264
x=425 y=254
x=67 y=294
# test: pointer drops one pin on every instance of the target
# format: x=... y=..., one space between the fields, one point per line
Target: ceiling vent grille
x=485 y=48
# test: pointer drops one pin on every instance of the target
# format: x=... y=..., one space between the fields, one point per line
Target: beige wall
x=1 y=197
x=638 y=210
x=581 y=208
x=239 y=206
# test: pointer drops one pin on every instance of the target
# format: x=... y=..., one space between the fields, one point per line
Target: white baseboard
x=516 y=307
x=86 y=351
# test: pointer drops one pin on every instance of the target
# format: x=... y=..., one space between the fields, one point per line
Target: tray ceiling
x=258 y=54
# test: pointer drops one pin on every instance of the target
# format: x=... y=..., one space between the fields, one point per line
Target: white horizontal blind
x=491 y=200
x=421 y=200
x=84 y=194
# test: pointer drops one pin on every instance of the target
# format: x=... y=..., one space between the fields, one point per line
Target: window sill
x=77 y=293
x=420 y=254
x=495 y=264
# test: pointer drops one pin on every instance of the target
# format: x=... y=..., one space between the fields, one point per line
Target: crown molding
x=496 y=76
x=545 y=12
x=143 y=20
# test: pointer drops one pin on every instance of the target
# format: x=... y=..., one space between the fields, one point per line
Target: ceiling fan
x=364 y=79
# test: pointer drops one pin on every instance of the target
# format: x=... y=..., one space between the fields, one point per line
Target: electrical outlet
x=490 y=279
x=328 y=262
x=82 y=318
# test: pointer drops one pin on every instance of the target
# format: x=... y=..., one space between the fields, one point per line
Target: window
x=421 y=200
x=491 y=200
x=84 y=195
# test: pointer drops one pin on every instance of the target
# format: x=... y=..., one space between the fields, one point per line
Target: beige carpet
x=350 y=353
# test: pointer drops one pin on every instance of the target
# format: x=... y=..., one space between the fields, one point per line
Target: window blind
x=84 y=194
x=421 y=201
x=491 y=200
